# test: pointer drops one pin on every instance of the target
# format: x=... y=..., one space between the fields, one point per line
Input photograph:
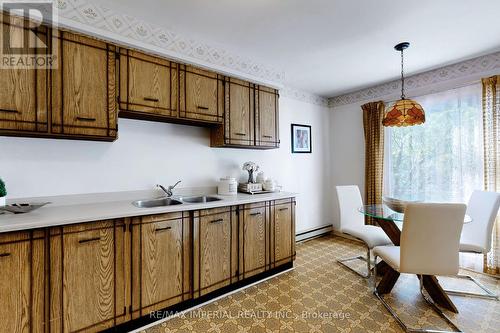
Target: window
x=441 y=160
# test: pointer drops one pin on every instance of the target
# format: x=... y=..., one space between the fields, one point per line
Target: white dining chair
x=352 y=222
x=429 y=246
x=476 y=236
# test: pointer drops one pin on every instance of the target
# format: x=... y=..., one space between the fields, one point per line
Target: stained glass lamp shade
x=404 y=112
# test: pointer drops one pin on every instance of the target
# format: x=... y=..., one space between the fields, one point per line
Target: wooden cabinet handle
x=255 y=214
x=151 y=99
x=162 y=229
x=217 y=221
x=202 y=107
x=268 y=136
x=242 y=134
x=81 y=241
x=6 y=254
x=9 y=111
x=85 y=119
x=282 y=209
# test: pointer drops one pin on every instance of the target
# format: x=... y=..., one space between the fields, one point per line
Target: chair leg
x=367 y=260
x=396 y=317
x=489 y=294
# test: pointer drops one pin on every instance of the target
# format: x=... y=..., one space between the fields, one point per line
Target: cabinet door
x=161 y=262
x=283 y=239
x=201 y=95
x=239 y=126
x=23 y=91
x=267 y=117
x=254 y=233
x=83 y=88
x=148 y=85
x=22 y=280
x=214 y=251
x=87 y=276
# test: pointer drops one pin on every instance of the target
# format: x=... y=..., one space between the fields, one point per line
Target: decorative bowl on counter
x=20 y=208
x=396 y=205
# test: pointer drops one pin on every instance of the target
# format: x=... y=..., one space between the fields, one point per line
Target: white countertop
x=84 y=211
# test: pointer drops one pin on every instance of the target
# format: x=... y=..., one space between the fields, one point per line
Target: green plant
x=3 y=190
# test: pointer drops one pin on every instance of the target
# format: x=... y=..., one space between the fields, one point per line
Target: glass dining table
x=391 y=222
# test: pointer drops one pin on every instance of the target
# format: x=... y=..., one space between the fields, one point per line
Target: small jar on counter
x=227 y=186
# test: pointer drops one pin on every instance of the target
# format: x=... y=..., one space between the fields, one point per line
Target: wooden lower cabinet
x=160 y=262
x=215 y=260
x=93 y=276
x=254 y=239
x=88 y=276
x=22 y=281
x=282 y=232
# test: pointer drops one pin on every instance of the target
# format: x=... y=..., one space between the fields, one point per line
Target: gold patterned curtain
x=373 y=113
x=491 y=116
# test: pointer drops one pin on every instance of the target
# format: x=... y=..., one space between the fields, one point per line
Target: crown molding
x=472 y=69
x=85 y=17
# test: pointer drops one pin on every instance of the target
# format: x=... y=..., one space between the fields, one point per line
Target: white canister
x=227 y=186
x=261 y=177
x=2 y=201
x=269 y=185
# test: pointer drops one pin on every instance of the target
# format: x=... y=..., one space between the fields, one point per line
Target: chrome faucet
x=168 y=190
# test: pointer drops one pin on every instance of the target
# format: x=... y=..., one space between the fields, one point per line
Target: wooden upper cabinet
x=83 y=88
x=266 y=117
x=23 y=91
x=22 y=282
x=201 y=95
x=215 y=250
x=254 y=239
x=160 y=262
x=87 y=276
x=283 y=232
x=148 y=86
x=250 y=119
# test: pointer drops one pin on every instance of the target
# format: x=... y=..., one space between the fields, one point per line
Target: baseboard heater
x=313 y=233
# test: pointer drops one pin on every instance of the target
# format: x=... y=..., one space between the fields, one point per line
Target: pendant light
x=405 y=112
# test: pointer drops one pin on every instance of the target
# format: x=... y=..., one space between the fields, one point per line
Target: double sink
x=162 y=202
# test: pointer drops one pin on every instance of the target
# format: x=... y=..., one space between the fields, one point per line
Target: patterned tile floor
x=322 y=296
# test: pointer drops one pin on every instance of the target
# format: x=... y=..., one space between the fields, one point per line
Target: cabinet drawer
x=147 y=84
x=201 y=95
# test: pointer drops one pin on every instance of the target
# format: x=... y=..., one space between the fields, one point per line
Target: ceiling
x=330 y=47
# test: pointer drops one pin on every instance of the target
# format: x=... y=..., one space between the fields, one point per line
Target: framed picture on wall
x=301 y=139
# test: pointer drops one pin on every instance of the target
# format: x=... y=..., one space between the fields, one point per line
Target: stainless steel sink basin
x=156 y=203
x=200 y=199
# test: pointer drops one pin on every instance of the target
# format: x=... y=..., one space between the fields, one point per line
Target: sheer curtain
x=441 y=160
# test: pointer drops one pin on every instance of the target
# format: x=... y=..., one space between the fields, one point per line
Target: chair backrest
x=430 y=238
x=483 y=209
x=350 y=200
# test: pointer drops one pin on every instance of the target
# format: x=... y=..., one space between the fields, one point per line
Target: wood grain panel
x=213 y=250
x=283 y=232
x=255 y=248
x=240 y=118
x=201 y=95
x=267 y=117
x=22 y=282
x=148 y=85
x=23 y=93
x=83 y=87
x=85 y=272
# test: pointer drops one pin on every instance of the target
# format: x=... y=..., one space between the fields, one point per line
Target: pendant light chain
x=402 y=76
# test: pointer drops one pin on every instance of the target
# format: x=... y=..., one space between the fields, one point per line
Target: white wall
x=147 y=153
x=348 y=151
